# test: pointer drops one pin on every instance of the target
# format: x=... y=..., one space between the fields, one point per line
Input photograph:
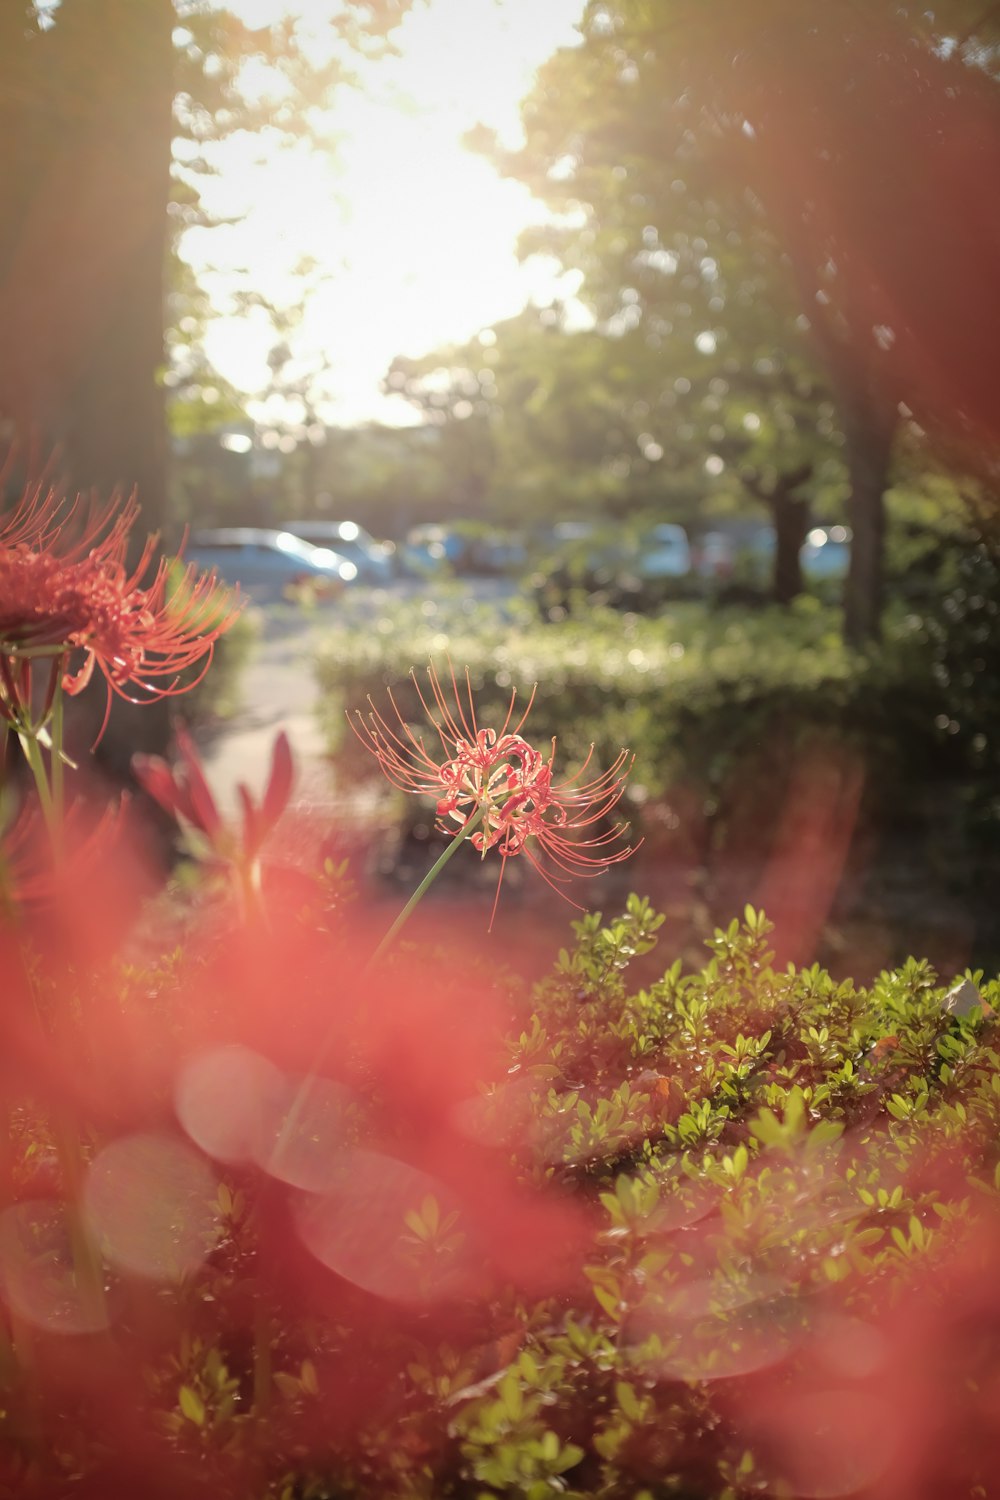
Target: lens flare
x=152 y=1205
x=37 y=1271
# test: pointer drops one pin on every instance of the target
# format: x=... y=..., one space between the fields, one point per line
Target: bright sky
x=414 y=236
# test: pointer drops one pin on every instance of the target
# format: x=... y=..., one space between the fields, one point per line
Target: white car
x=269 y=565
x=373 y=560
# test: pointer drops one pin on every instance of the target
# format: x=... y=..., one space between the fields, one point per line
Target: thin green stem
x=35 y=653
x=421 y=890
x=87 y=1262
x=56 y=767
x=36 y=764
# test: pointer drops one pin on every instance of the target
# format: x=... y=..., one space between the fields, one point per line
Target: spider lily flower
x=500 y=787
x=184 y=793
x=65 y=588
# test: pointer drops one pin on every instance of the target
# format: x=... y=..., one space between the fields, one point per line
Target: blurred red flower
x=183 y=791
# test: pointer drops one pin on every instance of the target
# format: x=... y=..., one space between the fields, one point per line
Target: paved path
x=279 y=691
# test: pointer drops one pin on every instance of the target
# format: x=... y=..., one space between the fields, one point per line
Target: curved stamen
x=501 y=782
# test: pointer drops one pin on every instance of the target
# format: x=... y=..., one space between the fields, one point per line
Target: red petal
x=75 y=682
x=206 y=815
x=279 y=786
x=156 y=778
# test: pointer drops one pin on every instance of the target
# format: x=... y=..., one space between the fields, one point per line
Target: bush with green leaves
x=779 y=1169
x=718 y=701
x=770 y=1173
x=955 y=622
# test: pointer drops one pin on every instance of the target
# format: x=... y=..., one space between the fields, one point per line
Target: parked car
x=663 y=552
x=587 y=553
x=826 y=552
x=497 y=552
x=429 y=547
x=373 y=560
x=269 y=565
x=611 y=564
x=715 y=555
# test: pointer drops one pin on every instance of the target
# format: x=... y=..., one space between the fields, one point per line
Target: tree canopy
x=799 y=190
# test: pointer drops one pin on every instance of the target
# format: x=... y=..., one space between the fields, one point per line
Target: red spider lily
x=184 y=792
x=65 y=586
x=497 y=780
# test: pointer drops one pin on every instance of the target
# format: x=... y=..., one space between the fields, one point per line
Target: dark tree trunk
x=29 y=137
x=87 y=110
x=81 y=282
x=869 y=427
x=790 y=517
x=790 y=514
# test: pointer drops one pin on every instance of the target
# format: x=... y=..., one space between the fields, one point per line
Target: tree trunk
x=868 y=428
x=81 y=286
x=790 y=514
x=84 y=190
x=791 y=519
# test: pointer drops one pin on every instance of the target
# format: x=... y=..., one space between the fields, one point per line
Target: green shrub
x=777 y=1143
x=953 y=619
x=721 y=700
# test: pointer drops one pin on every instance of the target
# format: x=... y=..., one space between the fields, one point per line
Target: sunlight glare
x=415 y=236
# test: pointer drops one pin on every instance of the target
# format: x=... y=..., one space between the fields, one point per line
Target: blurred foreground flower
x=184 y=793
x=497 y=788
x=65 y=587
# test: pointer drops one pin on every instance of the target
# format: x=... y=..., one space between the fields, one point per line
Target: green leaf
x=568 y=1458
x=430 y=1213
x=511 y=1395
x=416 y=1225
x=628 y=1401
x=192 y=1405
x=610 y=1302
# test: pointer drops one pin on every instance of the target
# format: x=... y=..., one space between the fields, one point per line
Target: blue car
x=270 y=565
x=826 y=552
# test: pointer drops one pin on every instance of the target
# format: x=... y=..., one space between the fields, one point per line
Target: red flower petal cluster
x=183 y=792
x=65 y=586
x=498 y=780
